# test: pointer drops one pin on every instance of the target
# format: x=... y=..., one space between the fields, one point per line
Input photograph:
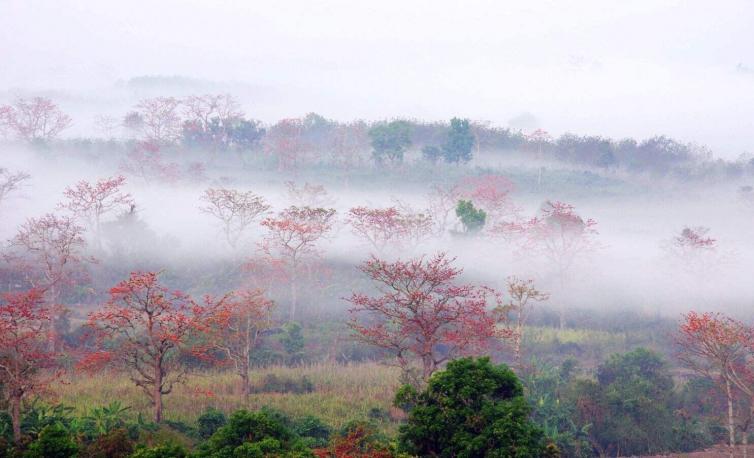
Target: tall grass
x=341 y=393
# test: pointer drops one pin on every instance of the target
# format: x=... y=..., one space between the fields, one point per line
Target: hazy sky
x=683 y=68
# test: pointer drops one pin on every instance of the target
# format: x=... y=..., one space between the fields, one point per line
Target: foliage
x=472 y=409
x=457 y=147
x=253 y=434
x=390 y=141
x=161 y=451
x=473 y=219
x=629 y=405
x=54 y=441
x=293 y=343
x=423 y=317
x=210 y=421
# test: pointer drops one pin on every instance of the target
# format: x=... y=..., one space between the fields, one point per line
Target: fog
x=680 y=68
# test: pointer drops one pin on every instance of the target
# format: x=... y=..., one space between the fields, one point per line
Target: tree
x=285 y=141
x=308 y=195
x=92 y=201
x=146 y=162
x=492 y=193
x=145 y=328
x=211 y=121
x=380 y=227
x=473 y=409
x=696 y=254
x=472 y=219
x=38 y=119
x=235 y=209
x=292 y=236
x=25 y=357
x=10 y=182
x=48 y=252
x=236 y=328
x=422 y=317
x=390 y=140
x=712 y=345
x=629 y=406
x=160 y=120
x=460 y=141
x=442 y=203
x=557 y=235
x=516 y=312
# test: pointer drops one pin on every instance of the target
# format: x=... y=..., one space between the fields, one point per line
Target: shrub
x=161 y=451
x=248 y=433
x=272 y=383
x=472 y=408
x=313 y=430
x=115 y=444
x=54 y=441
x=210 y=421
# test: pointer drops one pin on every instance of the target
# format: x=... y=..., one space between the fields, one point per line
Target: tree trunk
x=15 y=416
x=517 y=348
x=731 y=428
x=157 y=394
x=294 y=292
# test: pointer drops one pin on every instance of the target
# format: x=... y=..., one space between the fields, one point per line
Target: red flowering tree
x=159 y=119
x=384 y=227
x=90 y=201
x=491 y=193
x=48 y=253
x=26 y=361
x=142 y=330
x=236 y=210
x=695 y=253
x=236 y=328
x=422 y=316
x=285 y=141
x=558 y=235
x=38 y=119
x=292 y=237
x=146 y=162
x=442 y=204
x=712 y=346
x=379 y=227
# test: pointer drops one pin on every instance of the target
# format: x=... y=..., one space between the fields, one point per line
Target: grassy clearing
x=341 y=393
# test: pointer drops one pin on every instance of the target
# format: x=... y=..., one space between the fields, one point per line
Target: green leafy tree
x=471 y=409
x=390 y=140
x=293 y=343
x=460 y=141
x=472 y=218
x=629 y=405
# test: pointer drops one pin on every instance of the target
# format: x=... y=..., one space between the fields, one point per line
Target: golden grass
x=341 y=393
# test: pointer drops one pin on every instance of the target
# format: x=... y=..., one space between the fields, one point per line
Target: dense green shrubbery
x=471 y=409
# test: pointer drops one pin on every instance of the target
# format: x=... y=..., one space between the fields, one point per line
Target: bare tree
x=235 y=209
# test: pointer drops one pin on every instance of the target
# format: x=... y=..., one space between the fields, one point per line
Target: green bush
x=247 y=433
x=471 y=409
x=210 y=421
x=473 y=219
x=161 y=451
x=54 y=441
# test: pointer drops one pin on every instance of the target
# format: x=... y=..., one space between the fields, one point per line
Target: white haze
x=640 y=68
x=631 y=271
